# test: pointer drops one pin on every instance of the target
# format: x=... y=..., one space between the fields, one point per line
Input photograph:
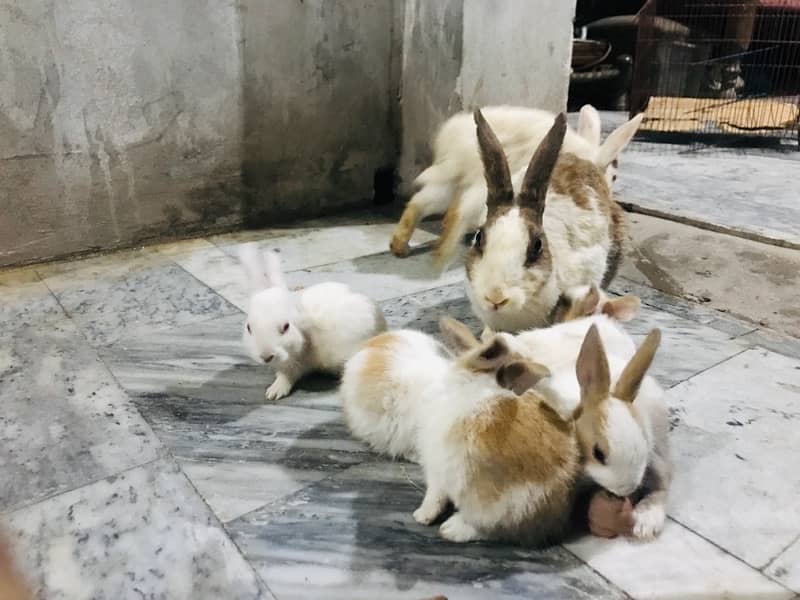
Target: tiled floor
x=140 y=459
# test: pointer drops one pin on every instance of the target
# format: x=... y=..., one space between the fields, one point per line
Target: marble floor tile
x=736 y=454
x=679 y=564
x=687 y=347
x=786 y=567
x=751 y=194
x=112 y=297
x=25 y=299
x=305 y=247
x=772 y=340
x=351 y=536
x=142 y=534
x=205 y=400
x=64 y=420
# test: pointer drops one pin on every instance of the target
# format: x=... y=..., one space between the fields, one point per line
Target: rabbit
x=385 y=385
x=314 y=329
x=562 y=229
x=586 y=300
x=631 y=452
x=453 y=185
x=508 y=462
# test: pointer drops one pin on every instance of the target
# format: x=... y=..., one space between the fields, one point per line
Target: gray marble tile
x=25 y=299
x=142 y=534
x=771 y=340
x=678 y=564
x=115 y=296
x=205 y=400
x=752 y=194
x=64 y=420
x=736 y=453
x=682 y=308
x=687 y=347
x=352 y=536
x=786 y=567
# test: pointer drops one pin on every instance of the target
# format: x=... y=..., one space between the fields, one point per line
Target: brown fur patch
x=405 y=229
x=375 y=368
x=576 y=177
x=449 y=237
x=518 y=440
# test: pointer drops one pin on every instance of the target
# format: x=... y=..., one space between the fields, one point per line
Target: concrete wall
x=118 y=121
x=133 y=119
x=459 y=54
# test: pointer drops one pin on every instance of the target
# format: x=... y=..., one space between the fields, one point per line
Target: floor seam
x=779 y=554
x=716 y=364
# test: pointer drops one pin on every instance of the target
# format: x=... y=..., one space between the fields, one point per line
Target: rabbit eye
x=599 y=455
x=477 y=242
x=534 y=250
x=284 y=328
x=248 y=328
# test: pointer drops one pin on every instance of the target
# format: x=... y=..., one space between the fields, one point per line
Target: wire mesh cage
x=711 y=68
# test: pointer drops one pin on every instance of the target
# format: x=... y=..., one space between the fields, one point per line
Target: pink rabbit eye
x=284 y=328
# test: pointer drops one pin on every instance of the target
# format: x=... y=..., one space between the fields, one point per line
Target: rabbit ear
x=617 y=141
x=628 y=384
x=521 y=375
x=457 y=335
x=273 y=268
x=622 y=309
x=588 y=304
x=589 y=124
x=495 y=165
x=540 y=169
x=253 y=263
x=592 y=368
x=489 y=356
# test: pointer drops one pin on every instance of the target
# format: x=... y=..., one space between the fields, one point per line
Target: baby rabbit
x=586 y=300
x=508 y=463
x=562 y=229
x=314 y=329
x=454 y=184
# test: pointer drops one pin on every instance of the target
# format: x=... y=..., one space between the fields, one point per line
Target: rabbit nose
x=266 y=359
x=497 y=299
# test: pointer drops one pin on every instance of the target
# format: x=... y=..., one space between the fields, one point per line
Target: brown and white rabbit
x=453 y=185
x=509 y=463
x=629 y=454
x=562 y=229
x=314 y=329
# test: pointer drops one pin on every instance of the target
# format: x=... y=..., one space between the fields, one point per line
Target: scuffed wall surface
x=318 y=115
x=459 y=54
x=118 y=121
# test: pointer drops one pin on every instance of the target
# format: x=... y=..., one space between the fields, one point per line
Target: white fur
x=327 y=323
x=412 y=412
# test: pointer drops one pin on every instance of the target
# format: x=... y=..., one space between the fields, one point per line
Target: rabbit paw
x=280 y=388
x=648 y=521
x=432 y=506
x=455 y=529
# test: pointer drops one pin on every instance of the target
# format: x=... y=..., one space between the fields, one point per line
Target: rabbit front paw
x=280 y=388
x=648 y=520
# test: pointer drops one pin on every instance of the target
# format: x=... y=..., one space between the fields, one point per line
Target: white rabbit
x=562 y=229
x=314 y=329
x=586 y=300
x=454 y=183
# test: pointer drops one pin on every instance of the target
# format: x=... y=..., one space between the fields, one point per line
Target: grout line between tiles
x=779 y=554
x=729 y=553
x=159 y=456
x=716 y=364
x=598 y=573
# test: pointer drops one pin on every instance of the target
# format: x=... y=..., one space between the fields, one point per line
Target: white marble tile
x=114 y=296
x=679 y=564
x=232 y=489
x=142 y=534
x=786 y=567
x=64 y=420
x=752 y=194
x=25 y=299
x=687 y=347
x=305 y=247
x=736 y=454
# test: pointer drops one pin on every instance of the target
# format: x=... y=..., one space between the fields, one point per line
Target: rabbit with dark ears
x=454 y=185
x=561 y=230
x=314 y=329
